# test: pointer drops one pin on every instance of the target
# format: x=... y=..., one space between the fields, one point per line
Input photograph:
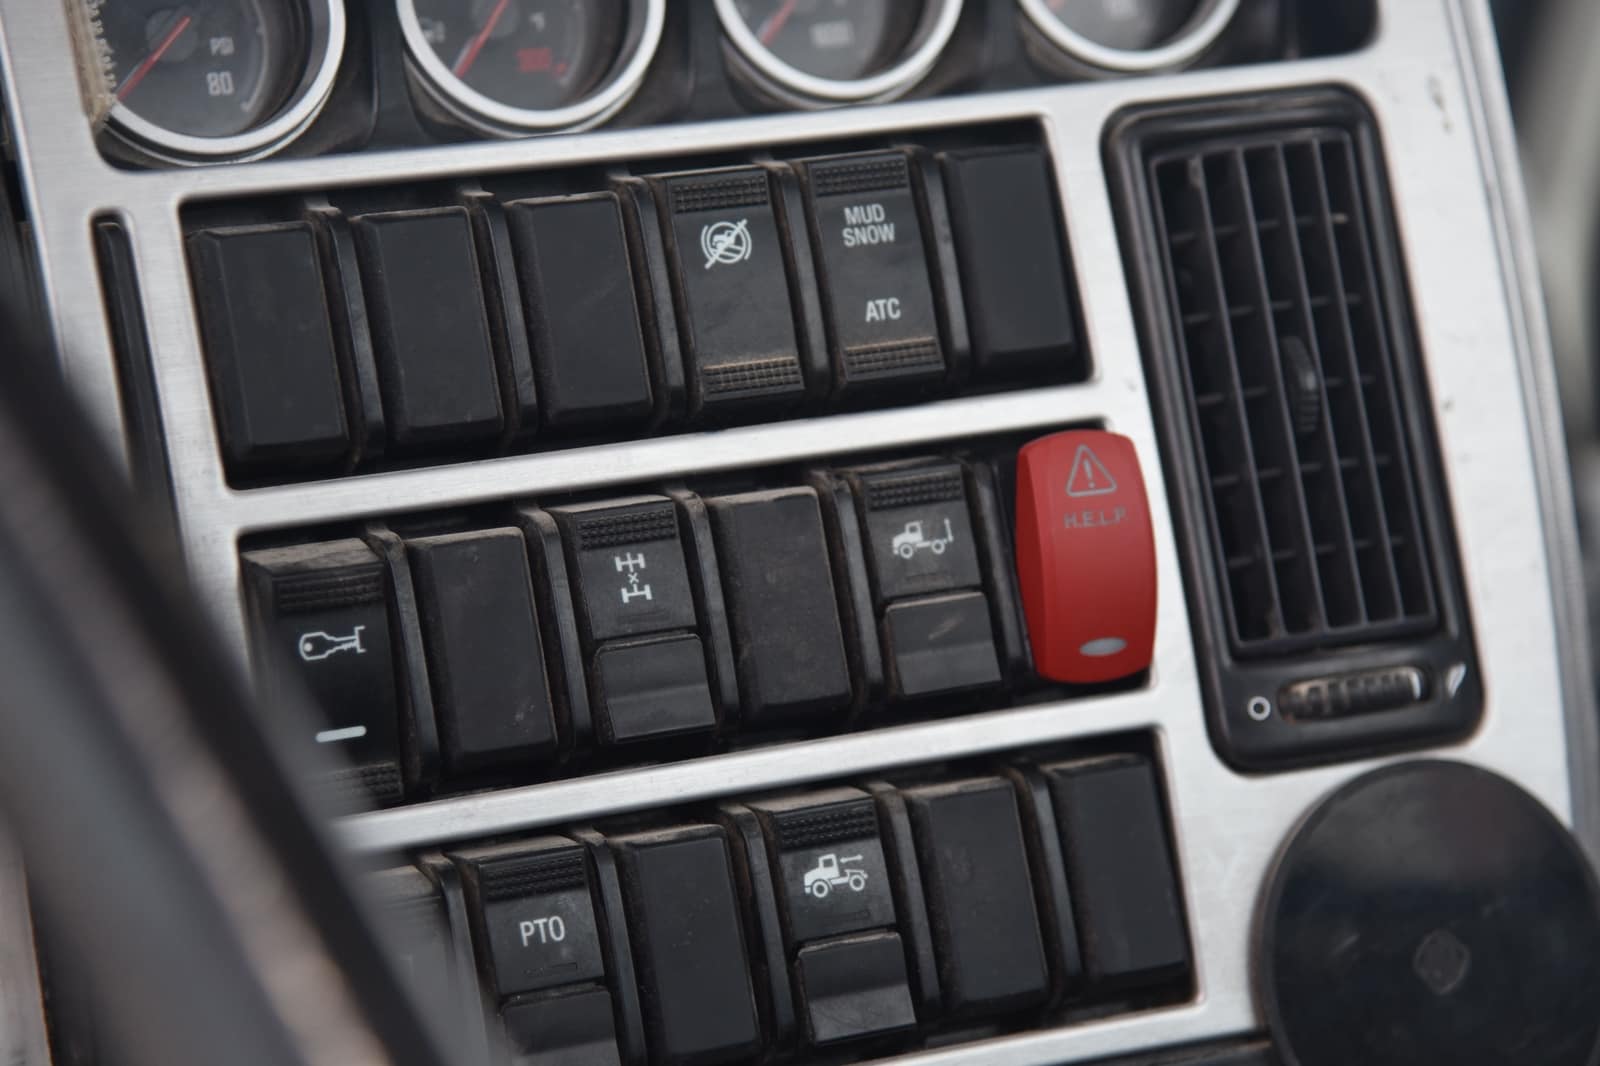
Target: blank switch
x=980 y=895
x=1124 y=884
x=778 y=585
x=688 y=944
x=582 y=312
x=430 y=330
x=275 y=379
x=475 y=598
x=1013 y=267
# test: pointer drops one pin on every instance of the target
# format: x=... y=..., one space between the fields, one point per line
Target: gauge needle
x=470 y=56
x=774 y=24
x=154 y=57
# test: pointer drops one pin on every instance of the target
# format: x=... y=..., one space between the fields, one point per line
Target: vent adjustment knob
x=1304 y=386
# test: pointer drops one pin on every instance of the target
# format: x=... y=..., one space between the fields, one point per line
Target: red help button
x=1086 y=556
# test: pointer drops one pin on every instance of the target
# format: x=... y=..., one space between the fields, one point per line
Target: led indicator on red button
x=1086 y=558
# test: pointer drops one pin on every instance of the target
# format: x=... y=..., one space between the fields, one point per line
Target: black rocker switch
x=322 y=622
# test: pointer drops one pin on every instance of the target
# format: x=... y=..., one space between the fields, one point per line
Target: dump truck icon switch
x=912 y=539
x=831 y=871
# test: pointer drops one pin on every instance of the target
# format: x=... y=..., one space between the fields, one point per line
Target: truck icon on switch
x=828 y=874
x=913 y=539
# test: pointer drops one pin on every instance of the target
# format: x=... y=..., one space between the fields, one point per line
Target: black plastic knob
x=1432 y=912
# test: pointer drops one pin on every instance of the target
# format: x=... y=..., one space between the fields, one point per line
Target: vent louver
x=1288 y=366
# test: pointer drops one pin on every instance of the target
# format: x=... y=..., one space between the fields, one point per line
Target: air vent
x=1291 y=391
x=1291 y=403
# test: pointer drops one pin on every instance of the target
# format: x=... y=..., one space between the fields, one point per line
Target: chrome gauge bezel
x=483 y=114
x=325 y=40
x=793 y=85
x=1202 y=30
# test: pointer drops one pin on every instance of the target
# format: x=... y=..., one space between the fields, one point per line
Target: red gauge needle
x=774 y=24
x=154 y=57
x=470 y=56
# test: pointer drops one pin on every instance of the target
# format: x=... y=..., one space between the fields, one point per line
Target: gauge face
x=203 y=69
x=534 y=55
x=513 y=67
x=1127 y=25
x=842 y=40
x=212 y=79
x=815 y=53
x=1130 y=35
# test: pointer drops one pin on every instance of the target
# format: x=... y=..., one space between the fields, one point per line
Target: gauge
x=514 y=67
x=1129 y=35
x=818 y=52
x=213 y=79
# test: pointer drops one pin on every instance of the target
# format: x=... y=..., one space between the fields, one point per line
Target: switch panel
x=562 y=308
x=729 y=522
x=684 y=618
x=844 y=922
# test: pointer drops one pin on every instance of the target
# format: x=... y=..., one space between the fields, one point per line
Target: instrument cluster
x=207 y=81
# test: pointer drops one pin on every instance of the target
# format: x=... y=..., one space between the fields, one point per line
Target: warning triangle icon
x=1089 y=475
